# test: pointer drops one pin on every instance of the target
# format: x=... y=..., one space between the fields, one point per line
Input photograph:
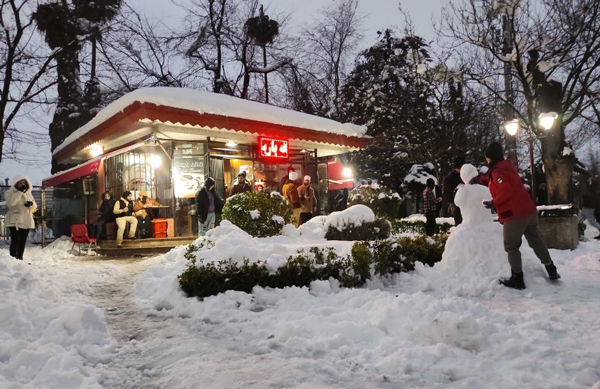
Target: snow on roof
x=217 y=104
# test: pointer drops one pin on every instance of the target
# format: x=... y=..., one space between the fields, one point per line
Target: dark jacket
x=240 y=188
x=106 y=210
x=451 y=181
x=124 y=204
x=202 y=203
x=511 y=199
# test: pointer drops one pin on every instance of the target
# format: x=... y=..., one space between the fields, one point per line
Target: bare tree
x=552 y=52
x=137 y=52
x=24 y=64
x=218 y=43
x=329 y=45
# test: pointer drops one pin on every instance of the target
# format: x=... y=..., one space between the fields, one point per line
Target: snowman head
x=468 y=172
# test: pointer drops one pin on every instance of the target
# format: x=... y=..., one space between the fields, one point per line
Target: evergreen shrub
x=382 y=257
x=408 y=226
x=258 y=213
x=378 y=229
x=383 y=201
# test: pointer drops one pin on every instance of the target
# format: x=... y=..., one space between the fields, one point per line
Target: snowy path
x=159 y=352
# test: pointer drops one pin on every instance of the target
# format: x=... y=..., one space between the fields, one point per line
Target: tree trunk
x=66 y=117
x=1 y=140
x=266 y=82
x=558 y=170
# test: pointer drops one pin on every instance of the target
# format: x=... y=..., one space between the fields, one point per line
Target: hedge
x=382 y=257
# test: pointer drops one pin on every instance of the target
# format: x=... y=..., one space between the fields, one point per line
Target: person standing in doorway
x=449 y=187
x=242 y=185
x=124 y=216
x=19 y=219
x=308 y=201
x=517 y=213
x=209 y=206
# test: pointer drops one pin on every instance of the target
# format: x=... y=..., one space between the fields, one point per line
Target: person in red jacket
x=518 y=214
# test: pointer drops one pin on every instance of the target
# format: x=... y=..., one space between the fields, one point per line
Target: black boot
x=552 y=273
x=515 y=281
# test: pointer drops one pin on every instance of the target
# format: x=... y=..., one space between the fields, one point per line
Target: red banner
x=273 y=148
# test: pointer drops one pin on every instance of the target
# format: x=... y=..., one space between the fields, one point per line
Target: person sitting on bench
x=106 y=214
x=144 y=217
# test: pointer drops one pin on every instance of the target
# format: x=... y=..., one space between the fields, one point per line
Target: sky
x=379 y=14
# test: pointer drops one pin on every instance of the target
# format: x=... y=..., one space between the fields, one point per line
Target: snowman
x=473 y=258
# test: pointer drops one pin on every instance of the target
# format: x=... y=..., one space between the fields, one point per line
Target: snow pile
x=230 y=242
x=435 y=327
x=46 y=340
x=356 y=214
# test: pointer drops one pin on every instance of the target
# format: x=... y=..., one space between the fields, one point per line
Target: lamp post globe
x=547 y=119
x=512 y=127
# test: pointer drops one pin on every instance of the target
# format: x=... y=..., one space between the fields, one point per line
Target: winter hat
x=494 y=152
x=468 y=172
x=209 y=182
x=307 y=178
x=293 y=176
x=241 y=174
x=126 y=194
x=458 y=162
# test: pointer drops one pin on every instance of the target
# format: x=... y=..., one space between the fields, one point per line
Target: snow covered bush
x=208 y=279
x=357 y=222
x=415 y=224
x=383 y=201
x=366 y=259
x=258 y=213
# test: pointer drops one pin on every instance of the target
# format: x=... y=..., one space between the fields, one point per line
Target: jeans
x=204 y=226
x=98 y=230
x=18 y=238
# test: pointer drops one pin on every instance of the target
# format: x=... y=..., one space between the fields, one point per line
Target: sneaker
x=552 y=273
x=515 y=281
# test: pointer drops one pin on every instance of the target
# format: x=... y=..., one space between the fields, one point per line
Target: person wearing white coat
x=19 y=219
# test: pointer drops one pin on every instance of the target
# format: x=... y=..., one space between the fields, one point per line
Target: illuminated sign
x=272 y=148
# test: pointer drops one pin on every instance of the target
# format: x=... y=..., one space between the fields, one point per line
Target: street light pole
x=512 y=127
x=530 y=139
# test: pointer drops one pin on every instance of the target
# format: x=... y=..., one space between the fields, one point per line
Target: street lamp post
x=512 y=127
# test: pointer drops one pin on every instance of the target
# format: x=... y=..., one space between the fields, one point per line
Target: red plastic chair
x=79 y=236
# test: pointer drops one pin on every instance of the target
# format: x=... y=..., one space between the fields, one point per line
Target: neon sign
x=272 y=148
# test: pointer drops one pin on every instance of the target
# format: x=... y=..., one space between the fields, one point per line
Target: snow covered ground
x=81 y=322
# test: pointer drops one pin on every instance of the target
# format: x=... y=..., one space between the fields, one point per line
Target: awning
x=85 y=169
x=90 y=167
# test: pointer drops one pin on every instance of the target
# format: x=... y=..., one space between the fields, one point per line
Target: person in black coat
x=106 y=214
x=209 y=204
x=449 y=185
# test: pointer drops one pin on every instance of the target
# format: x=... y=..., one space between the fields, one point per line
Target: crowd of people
x=299 y=194
x=129 y=215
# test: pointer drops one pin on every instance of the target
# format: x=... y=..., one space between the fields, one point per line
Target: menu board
x=188 y=174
